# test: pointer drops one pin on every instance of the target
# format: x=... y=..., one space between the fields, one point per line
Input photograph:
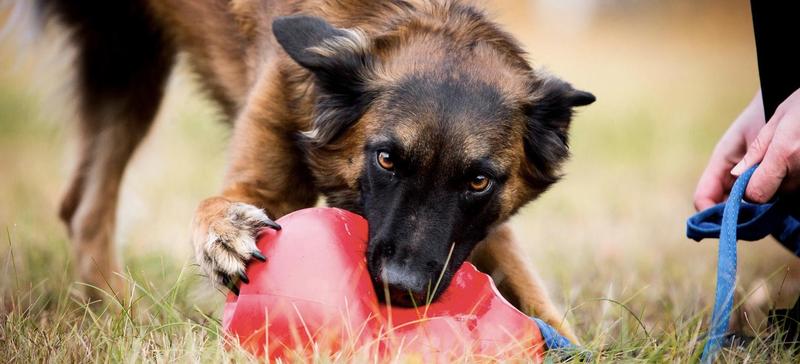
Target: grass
x=44 y=322
x=608 y=239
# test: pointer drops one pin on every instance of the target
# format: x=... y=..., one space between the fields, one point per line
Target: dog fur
x=314 y=91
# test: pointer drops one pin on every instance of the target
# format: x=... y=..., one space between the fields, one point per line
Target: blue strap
x=728 y=221
x=726 y=268
x=738 y=219
x=778 y=218
x=559 y=346
x=552 y=339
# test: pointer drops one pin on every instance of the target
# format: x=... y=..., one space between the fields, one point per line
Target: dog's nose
x=405 y=287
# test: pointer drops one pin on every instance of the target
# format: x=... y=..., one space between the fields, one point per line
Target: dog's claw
x=272 y=224
x=231 y=286
x=243 y=277
x=259 y=256
x=230 y=243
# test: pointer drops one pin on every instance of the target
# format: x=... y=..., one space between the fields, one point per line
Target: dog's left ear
x=549 y=113
x=341 y=62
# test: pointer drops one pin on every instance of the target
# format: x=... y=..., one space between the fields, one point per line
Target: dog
x=421 y=115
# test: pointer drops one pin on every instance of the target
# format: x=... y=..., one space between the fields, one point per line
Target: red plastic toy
x=314 y=290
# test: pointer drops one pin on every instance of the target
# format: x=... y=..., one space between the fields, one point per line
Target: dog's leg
x=501 y=256
x=267 y=177
x=121 y=72
x=89 y=206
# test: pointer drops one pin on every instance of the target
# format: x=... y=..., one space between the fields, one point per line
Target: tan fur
x=501 y=256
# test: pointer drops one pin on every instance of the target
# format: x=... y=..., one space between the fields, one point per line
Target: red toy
x=314 y=290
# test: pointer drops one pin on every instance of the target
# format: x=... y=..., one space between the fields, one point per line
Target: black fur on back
x=123 y=54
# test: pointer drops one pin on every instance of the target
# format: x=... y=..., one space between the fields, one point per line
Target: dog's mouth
x=406 y=288
x=399 y=297
x=407 y=279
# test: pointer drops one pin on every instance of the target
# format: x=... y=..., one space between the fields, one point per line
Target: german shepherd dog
x=421 y=115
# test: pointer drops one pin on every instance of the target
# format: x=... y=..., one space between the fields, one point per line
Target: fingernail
x=243 y=277
x=259 y=256
x=738 y=168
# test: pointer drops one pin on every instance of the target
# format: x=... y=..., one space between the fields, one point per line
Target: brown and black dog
x=421 y=115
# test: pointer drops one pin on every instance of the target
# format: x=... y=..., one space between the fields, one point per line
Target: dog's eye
x=385 y=160
x=479 y=183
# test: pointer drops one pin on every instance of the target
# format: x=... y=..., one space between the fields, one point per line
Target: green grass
x=168 y=321
x=43 y=321
x=608 y=239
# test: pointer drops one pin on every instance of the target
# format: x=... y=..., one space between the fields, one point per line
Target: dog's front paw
x=224 y=238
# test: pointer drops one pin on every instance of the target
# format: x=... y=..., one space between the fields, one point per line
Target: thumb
x=767 y=178
x=757 y=148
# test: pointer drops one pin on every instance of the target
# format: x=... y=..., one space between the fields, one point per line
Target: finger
x=708 y=194
x=716 y=179
x=713 y=185
x=768 y=176
x=704 y=203
x=757 y=148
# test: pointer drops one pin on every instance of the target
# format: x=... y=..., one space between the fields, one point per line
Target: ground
x=608 y=240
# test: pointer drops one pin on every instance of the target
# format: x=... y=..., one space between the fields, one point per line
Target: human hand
x=777 y=148
x=776 y=145
x=717 y=180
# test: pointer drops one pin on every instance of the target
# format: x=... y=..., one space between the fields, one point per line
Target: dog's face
x=436 y=161
x=435 y=139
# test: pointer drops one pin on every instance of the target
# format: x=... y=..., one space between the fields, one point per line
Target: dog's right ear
x=341 y=62
x=315 y=44
x=549 y=114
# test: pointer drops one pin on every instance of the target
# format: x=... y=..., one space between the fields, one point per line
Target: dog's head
x=435 y=131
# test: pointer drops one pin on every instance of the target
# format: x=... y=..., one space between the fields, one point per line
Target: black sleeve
x=776 y=24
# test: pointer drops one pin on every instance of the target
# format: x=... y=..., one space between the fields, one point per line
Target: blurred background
x=669 y=77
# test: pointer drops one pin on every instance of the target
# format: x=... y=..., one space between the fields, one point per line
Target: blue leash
x=698 y=228
x=559 y=346
x=732 y=220
x=726 y=268
x=729 y=221
x=552 y=339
